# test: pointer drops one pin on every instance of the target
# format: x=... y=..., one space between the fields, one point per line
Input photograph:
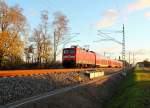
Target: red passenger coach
x=102 y=61
x=85 y=58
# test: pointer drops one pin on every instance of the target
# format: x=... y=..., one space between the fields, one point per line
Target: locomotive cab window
x=66 y=51
x=72 y=51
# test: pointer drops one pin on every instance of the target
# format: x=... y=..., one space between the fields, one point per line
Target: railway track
x=34 y=99
x=13 y=73
x=21 y=84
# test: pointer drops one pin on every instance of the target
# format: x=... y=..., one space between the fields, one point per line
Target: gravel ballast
x=92 y=95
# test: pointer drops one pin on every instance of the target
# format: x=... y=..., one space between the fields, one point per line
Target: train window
x=72 y=51
x=66 y=51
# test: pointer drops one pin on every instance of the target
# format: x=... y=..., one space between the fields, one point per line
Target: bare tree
x=60 y=29
x=12 y=23
x=42 y=39
x=37 y=37
x=28 y=51
x=47 y=50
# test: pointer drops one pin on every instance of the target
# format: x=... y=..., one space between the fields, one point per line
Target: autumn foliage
x=12 y=23
x=44 y=41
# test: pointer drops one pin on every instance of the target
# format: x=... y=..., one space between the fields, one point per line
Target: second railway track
x=13 y=73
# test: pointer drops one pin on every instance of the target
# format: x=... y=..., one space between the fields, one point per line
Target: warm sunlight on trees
x=12 y=23
x=60 y=24
x=13 y=27
x=41 y=37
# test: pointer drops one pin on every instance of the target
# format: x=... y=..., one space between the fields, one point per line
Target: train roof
x=77 y=47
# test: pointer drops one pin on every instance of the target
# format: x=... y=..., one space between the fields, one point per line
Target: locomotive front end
x=69 y=57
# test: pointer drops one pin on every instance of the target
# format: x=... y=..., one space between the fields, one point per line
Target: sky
x=88 y=16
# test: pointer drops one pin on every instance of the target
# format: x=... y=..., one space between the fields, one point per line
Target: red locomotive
x=78 y=57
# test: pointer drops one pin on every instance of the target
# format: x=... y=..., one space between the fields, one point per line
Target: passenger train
x=79 y=57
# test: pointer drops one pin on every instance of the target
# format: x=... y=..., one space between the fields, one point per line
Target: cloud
x=139 y=5
x=135 y=6
x=142 y=54
x=109 y=18
x=147 y=15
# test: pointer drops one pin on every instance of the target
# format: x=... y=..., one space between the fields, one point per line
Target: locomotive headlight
x=72 y=56
x=69 y=56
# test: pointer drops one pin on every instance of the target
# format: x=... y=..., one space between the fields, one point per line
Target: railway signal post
x=123 y=49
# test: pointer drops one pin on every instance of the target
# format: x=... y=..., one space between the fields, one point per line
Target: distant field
x=134 y=91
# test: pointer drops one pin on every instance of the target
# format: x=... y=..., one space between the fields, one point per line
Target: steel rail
x=13 y=73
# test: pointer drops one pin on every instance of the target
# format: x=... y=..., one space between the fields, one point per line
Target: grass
x=134 y=91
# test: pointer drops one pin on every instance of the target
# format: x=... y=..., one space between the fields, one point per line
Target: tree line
x=44 y=41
